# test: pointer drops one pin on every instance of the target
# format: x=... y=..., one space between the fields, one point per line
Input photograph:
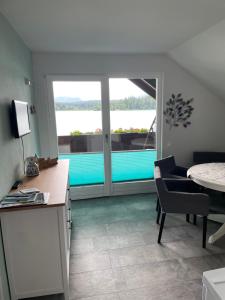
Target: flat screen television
x=20 y=118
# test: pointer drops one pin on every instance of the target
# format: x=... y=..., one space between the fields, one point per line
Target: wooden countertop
x=53 y=180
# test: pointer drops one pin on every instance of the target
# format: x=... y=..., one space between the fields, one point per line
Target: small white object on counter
x=30 y=190
x=213 y=285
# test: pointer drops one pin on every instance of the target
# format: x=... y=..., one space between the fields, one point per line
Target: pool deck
x=88 y=168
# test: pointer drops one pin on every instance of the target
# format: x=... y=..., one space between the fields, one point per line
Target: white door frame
x=87 y=191
x=108 y=188
x=145 y=186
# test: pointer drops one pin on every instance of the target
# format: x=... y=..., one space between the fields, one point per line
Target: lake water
x=85 y=121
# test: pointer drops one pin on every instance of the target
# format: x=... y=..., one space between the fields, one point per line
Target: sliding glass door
x=79 y=127
x=133 y=128
x=106 y=127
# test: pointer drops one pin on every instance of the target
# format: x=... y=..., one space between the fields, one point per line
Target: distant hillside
x=132 y=103
x=67 y=99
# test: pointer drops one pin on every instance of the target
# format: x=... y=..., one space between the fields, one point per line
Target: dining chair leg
x=161 y=227
x=194 y=219
x=204 y=232
x=187 y=218
x=158 y=214
x=157 y=204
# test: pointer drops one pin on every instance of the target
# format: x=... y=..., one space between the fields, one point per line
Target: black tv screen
x=20 y=118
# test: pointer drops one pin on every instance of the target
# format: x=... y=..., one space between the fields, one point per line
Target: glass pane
x=79 y=129
x=133 y=126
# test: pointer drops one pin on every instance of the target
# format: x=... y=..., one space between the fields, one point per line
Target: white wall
x=15 y=65
x=204 y=57
x=208 y=122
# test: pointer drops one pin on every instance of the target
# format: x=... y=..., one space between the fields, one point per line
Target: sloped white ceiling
x=192 y=32
x=204 y=57
x=116 y=26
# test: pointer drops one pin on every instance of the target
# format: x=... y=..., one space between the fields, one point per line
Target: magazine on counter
x=24 y=199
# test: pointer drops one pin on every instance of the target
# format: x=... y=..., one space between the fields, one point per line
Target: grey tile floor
x=115 y=255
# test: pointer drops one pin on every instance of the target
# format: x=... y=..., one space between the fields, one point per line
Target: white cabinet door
x=68 y=218
x=33 y=256
x=1 y=289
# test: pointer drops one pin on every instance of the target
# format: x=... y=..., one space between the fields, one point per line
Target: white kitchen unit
x=36 y=239
x=214 y=285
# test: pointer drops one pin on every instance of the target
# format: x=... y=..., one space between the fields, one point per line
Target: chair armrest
x=187 y=203
x=182 y=185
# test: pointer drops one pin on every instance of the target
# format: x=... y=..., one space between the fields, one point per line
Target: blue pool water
x=88 y=168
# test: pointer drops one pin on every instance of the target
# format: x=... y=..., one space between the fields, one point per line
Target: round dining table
x=212 y=176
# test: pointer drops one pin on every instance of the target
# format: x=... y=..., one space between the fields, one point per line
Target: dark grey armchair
x=169 y=169
x=202 y=157
x=183 y=197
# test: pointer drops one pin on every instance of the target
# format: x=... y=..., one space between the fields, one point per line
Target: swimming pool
x=88 y=168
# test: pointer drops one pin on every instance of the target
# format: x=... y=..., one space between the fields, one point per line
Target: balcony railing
x=94 y=142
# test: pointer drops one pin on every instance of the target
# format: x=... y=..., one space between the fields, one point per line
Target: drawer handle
x=70 y=222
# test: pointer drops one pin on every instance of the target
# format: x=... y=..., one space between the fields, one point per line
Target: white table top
x=211 y=175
